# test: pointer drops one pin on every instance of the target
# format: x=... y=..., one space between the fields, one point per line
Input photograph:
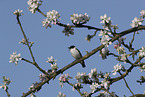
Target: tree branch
x=126 y=73
x=118 y=35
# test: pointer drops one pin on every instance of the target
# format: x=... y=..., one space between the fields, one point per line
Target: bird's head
x=71 y=47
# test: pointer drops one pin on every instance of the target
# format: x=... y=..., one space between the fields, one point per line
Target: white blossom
x=52 y=18
x=105 y=40
x=33 y=5
x=142 y=52
x=120 y=50
x=136 y=22
x=14 y=58
x=105 y=19
x=54 y=67
x=142 y=13
x=79 y=18
x=94 y=86
x=51 y=60
x=105 y=84
x=64 y=78
x=61 y=94
x=93 y=73
x=123 y=57
x=46 y=23
x=103 y=33
x=117 y=68
x=105 y=50
x=18 y=12
x=80 y=77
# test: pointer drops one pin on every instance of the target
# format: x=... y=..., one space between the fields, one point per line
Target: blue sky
x=52 y=42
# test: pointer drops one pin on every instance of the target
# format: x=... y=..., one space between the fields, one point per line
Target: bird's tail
x=83 y=64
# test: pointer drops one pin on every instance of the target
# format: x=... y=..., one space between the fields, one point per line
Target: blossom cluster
x=93 y=73
x=142 y=52
x=34 y=5
x=14 y=58
x=18 y=12
x=96 y=84
x=142 y=13
x=79 y=18
x=105 y=84
x=53 y=63
x=68 y=30
x=6 y=82
x=104 y=52
x=93 y=76
x=118 y=68
x=80 y=77
x=105 y=40
x=107 y=23
x=136 y=22
x=52 y=18
x=120 y=49
x=64 y=78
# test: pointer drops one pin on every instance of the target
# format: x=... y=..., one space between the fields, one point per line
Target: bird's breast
x=75 y=53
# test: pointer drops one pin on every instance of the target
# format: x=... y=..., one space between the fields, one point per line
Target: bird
x=76 y=54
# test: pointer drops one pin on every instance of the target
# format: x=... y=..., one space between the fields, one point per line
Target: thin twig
x=7 y=93
x=76 y=89
x=132 y=39
x=127 y=85
x=27 y=43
